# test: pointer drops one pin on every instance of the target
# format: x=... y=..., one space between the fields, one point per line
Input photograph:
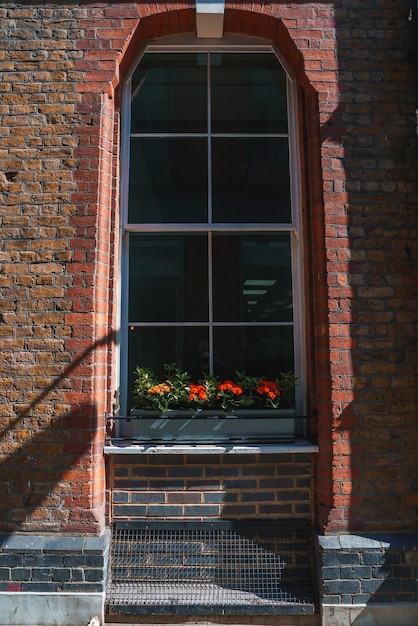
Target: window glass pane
x=169 y=94
x=209 y=301
x=252 y=278
x=248 y=93
x=153 y=347
x=168 y=180
x=250 y=180
x=168 y=278
x=257 y=350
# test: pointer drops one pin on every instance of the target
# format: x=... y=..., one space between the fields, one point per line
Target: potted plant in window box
x=212 y=410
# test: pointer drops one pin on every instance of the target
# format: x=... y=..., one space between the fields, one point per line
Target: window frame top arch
x=237 y=45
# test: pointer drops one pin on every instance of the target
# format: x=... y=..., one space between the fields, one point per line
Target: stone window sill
x=299 y=446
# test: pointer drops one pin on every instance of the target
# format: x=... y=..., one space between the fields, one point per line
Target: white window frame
x=235 y=45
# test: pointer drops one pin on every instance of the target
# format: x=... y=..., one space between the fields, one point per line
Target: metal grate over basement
x=208 y=568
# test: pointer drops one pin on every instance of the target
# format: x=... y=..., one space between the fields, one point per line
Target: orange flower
x=160 y=389
x=269 y=388
x=228 y=385
x=197 y=391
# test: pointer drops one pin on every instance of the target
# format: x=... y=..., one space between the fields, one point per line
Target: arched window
x=211 y=230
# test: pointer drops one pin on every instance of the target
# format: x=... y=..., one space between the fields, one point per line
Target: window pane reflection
x=168 y=278
x=252 y=279
x=256 y=350
x=250 y=180
x=169 y=94
x=153 y=347
x=168 y=180
x=248 y=94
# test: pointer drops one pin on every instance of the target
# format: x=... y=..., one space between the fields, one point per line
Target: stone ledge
x=50 y=544
x=382 y=541
x=297 y=447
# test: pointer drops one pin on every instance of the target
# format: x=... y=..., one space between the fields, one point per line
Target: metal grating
x=261 y=567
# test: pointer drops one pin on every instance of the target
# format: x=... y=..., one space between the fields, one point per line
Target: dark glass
x=250 y=180
x=252 y=278
x=168 y=278
x=257 y=350
x=168 y=180
x=168 y=184
x=248 y=93
x=153 y=347
x=169 y=94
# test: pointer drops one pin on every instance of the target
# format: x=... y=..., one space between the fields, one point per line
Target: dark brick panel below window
x=212 y=486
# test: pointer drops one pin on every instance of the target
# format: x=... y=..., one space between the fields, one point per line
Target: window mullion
x=124 y=320
x=210 y=235
x=210 y=298
x=209 y=110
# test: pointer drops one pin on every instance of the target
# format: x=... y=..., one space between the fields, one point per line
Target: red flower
x=228 y=385
x=197 y=391
x=269 y=388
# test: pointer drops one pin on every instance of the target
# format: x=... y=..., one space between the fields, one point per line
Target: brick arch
x=171 y=22
x=176 y=21
x=272 y=29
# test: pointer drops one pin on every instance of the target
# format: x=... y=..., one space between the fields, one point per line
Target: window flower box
x=177 y=409
x=213 y=426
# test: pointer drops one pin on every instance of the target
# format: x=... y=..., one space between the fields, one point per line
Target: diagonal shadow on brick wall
x=46 y=461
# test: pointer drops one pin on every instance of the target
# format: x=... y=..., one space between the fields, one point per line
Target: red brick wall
x=61 y=67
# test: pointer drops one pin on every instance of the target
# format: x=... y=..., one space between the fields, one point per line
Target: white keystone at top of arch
x=210 y=6
x=209 y=19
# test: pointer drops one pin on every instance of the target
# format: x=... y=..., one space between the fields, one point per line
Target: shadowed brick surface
x=148 y=486
x=373 y=569
x=53 y=564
